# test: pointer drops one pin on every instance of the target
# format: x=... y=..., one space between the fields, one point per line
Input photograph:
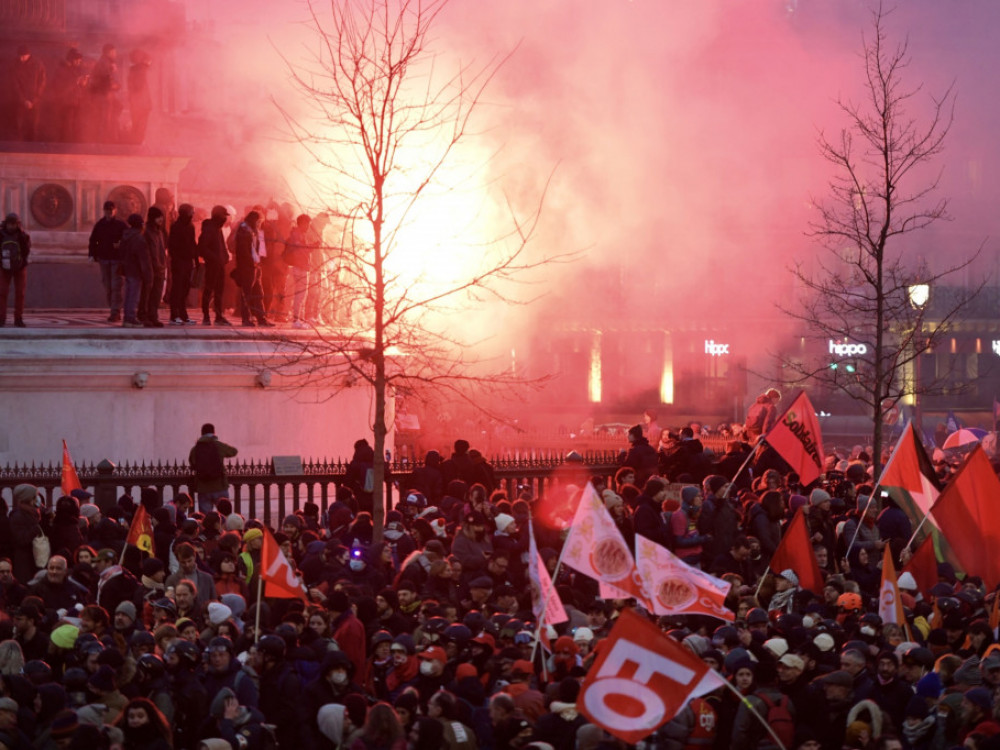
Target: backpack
x=10 y=254
x=779 y=718
x=207 y=463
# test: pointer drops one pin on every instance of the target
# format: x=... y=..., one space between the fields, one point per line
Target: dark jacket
x=643 y=458
x=648 y=521
x=211 y=243
x=247 y=244
x=105 y=239
x=24 y=243
x=182 y=244
x=156 y=240
x=24 y=527
x=135 y=258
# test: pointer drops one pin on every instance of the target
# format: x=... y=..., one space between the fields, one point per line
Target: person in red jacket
x=348 y=630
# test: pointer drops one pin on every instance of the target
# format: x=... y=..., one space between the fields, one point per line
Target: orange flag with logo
x=795 y=551
x=280 y=581
x=890 y=606
x=70 y=479
x=797 y=439
x=140 y=533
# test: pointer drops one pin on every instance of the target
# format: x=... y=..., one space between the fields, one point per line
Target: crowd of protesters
x=268 y=266
x=426 y=638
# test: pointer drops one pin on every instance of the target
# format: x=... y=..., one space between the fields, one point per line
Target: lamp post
x=918 y=294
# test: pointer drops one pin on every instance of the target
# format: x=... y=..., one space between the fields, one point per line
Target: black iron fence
x=258 y=492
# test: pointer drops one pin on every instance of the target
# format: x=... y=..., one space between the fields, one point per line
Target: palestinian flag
x=910 y=480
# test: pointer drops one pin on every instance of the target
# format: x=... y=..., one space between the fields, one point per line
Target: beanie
x=234 y=522
x=818 y=496
x=65 y=636
x=128 y=608
x=503 y=521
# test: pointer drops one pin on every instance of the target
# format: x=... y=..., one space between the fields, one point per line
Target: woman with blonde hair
x=11 y=658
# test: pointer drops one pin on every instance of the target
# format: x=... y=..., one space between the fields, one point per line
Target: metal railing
x=257 y=492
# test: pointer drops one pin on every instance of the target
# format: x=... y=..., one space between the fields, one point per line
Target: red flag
x=280 y=581
x=70 y=480
x=641 y=679
x=140 y=533
x=968 y=515
x=545 y=602
x=796 y=552
x=675 y=587
x=890 y=606
x=923 y=566
x=596 y=548
x=797 y=439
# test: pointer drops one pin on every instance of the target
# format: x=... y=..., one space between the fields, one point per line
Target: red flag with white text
x=641 y=679
x=676 y=588
x=70 y=479
x=280 y=580
x=796 y=437
x=596 y=548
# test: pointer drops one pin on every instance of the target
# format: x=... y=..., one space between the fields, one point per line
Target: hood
x=330 y=720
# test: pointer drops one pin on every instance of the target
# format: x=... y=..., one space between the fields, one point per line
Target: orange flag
x=140 y=533
x=280 y=581
x=70 y=480
x=796 y=552
x=890 y=606
x=797 y=439
x=923 y=566
x=641 y=679
x=968 y=515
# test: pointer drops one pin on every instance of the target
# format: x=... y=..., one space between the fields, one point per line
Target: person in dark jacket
x=25 y=525
x=137 y=269
x=15 y=247
x=894 y=527
x=28 y=79
x=155 y=235
x=648 y=517
x=765 y=522
x=247 y=273
x=65 y=535
x=280 y=691
x=357 y=476
x=183 y=261
x=641 y=456
x=212 y=250
x=104 y=248
x=428 y=478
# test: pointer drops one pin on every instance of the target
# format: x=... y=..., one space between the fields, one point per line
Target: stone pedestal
x=59 y=198
x=128 y=395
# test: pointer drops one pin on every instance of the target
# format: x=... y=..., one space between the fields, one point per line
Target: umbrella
x=966 y=437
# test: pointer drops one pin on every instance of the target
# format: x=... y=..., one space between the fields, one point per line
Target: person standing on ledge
x=105 y=240
x=206 y=459
x=15 y=246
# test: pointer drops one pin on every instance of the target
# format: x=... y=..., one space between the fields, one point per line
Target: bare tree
x=863 y=288
x=385 y=124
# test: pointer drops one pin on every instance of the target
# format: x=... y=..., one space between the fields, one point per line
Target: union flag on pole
x=641 y=679
x=70 y=479
x=797 y=439
x=675 y=588
x=596 y=548
x=140 y=533
x=890 y=606
x=280 y=581
x=545 y=602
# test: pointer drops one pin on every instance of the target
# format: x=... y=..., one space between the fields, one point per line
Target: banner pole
x=256 y=626
x=857 y=529
x=749 y=706
x=729 y=486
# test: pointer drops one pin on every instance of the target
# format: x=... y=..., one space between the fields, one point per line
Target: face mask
x=338 y=677
x=426 y=668
x=357 y=565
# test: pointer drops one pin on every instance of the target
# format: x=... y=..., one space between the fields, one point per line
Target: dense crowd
x=426 y=639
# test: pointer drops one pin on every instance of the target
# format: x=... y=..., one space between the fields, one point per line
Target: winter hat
x=968 y=673
x=89 y=510
x=236 y=603
x=855 y=730
x=65 y=724
x=103 y=679
x=792 y=661
x=252 y=534
x=128 y=608
x=929 y=686
x=907 y=582
x=818 y=496
x=503 y=521
x=736 y=659
x=151 y=566
x=611 y=499
x=635 y=432
x=777 y=646
x=824 y=642
x=8 y=704
x=25 y=493
x=797 y=501
x=65 y=636
x=234 y=522
x=981 y=697
x=356 y=708
x=789 y=575
x=219 y=702
x=218 y=613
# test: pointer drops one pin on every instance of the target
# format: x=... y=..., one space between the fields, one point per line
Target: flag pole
x=256 y=626
x=545 y=603
x=749 y=706
x=857 y=530
x=729 y=486
x=919 y=526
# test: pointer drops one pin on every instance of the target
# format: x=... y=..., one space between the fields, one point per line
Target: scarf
x=915 y=732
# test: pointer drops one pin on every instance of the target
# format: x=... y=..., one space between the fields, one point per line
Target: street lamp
x=919 y=294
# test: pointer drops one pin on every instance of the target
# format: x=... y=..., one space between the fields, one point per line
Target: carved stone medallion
x=51 y=205
x=129 y=200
